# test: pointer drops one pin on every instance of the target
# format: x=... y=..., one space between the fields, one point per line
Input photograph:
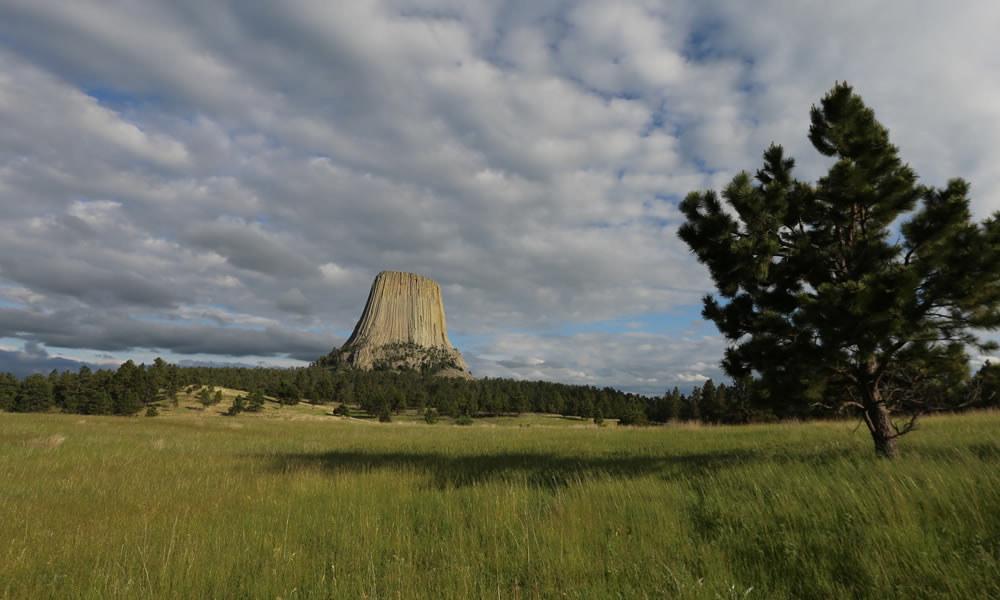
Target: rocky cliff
x=402 y=327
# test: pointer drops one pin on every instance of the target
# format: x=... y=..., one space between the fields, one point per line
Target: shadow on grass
x=540 y=470
x=558 y=470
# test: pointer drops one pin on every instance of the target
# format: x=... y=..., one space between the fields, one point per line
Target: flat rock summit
x=402 y=327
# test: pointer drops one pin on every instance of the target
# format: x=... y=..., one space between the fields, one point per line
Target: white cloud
x=255 y=165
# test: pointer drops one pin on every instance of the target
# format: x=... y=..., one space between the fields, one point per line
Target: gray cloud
x=80 y=279
x=229 y=177
x=22 y=364
x=118 y=333
x=247 y=247
x=649 y=363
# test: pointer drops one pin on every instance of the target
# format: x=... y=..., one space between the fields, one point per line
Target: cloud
x=294 y=301
x=192 y=176
x=649 y=363
x=121 y=333
x=247 y=246
x=22 y=364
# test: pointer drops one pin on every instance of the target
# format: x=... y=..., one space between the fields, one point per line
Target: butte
x=402 y=328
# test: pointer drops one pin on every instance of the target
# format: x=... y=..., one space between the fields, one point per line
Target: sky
x=220 y=181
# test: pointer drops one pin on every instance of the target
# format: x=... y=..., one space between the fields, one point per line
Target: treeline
x=132 y=388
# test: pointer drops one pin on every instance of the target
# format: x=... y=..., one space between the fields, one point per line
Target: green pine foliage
x=239 y=405
x=131 y=388
x=818 y=294
x=255 y=401
x=34 y=395
x=205 y=397
x=9 y=388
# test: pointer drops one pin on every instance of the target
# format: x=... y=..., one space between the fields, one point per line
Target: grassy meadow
x=292 y=503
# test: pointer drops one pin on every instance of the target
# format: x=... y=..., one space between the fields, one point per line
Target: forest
x=139 y=389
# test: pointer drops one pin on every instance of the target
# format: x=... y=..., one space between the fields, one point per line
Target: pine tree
x=205 y=397
x=691 y=406
x=239 y=405
x=126 y=402
x=986 y=386
x=34 y=395
x=518 y=400
x=9 y=386
x=288 y=393
x=820 y=297
x=709 y=412
x=674 y=408
x=255 y=401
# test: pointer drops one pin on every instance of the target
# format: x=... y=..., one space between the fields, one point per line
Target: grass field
x=307 y=506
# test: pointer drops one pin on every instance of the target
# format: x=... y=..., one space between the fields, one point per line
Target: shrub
x=342 y=411
x=152 y=411
x=431 y=416
x=463 y=420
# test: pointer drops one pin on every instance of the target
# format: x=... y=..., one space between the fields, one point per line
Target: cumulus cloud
x=228 y=178
x=650 y=363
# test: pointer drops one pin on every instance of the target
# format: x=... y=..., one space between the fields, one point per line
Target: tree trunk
x=877 y=413
x=883 y=433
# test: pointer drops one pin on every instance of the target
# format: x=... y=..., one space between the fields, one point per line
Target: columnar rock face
x=401 y=327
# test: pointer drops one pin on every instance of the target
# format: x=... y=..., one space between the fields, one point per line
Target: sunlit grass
x=185 y=507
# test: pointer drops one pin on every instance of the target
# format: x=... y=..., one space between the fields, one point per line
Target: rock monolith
x=402 y=327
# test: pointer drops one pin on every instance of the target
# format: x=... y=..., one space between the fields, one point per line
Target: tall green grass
x=264 y=508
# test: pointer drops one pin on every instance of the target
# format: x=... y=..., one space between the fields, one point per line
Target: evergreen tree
x=9 y=387
x=720 y=407
x=674 y=408
x=708 y=402
x=126 y=402
x=419 y=399
x=344 y=392
x=205 y=397
x=818 y=295
x=34 y=395
x=518 y=400
x=739 y=400
x=95 y=400
x=397 y=400
x=239 y=405
x=633 y=413
x=64 y=393
x=288 y=393
x=323 y=391
x=691 y=406
x=255 y=401
x=986 y=386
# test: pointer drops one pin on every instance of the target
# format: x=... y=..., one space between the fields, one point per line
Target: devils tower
x=402 y=327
